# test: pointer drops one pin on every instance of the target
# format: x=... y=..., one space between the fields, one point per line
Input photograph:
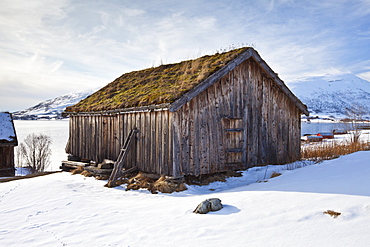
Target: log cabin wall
x=243 y=120
x=97 y=137
x=7 y=161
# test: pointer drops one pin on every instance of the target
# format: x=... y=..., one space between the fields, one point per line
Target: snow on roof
x=7 y=131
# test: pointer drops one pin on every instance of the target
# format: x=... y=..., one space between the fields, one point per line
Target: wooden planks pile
x=71 y=165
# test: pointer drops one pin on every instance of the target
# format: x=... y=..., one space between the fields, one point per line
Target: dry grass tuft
x=86 y=173
x=78 y=170
x=140 y=181
x=101 y=177
x=166 y=185
x=82 y=171
x=155 y=183
x=332 y=213
x=331 y=150
x=275 y=174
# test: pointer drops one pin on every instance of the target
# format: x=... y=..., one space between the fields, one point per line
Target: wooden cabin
x=227 y=111
x=8 y=140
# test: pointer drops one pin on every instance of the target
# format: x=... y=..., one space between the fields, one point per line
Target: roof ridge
x=156 y=85
x=172 y=85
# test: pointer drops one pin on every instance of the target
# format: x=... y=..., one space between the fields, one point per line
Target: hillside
x=71 y=210
x=52 y=108
x=325 y=96
x=330 y=95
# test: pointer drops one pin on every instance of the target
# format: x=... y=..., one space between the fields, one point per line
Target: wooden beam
x=160 y=107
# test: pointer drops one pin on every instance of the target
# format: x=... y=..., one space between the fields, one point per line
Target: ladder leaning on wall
x=117 y=169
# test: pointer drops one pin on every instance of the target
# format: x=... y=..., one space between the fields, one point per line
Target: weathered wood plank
x=170 y=143
x=245 y=98
x=165 y=144
x=153 y=147
x=212 y=119
x=204 y=133
x=185 y=140
x=159 y=140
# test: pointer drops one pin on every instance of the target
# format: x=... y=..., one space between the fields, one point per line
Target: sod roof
x=154 y=86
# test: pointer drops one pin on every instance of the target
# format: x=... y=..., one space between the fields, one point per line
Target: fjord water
x=316 y=127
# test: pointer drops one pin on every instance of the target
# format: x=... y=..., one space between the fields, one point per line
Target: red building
x=326 y=135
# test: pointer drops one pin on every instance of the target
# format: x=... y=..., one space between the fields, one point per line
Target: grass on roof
x=163 y=84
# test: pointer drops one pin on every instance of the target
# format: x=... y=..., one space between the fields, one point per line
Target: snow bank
x=71 y=210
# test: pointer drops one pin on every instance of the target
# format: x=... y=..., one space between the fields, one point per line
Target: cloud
x=365 y=75
x=45 y=51
x=49 y=48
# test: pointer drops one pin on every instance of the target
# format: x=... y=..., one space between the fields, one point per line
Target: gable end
x=250 y=53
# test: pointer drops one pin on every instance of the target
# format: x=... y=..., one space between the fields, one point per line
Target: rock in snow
x=212 y=204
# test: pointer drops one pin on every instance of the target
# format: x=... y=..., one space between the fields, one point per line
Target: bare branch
x=35 y=152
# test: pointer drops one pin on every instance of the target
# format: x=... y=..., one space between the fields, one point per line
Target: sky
x=52 y=47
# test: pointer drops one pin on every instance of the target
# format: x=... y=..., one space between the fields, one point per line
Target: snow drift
x=71 y=210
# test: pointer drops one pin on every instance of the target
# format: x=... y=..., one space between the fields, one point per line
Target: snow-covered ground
x=71 y=210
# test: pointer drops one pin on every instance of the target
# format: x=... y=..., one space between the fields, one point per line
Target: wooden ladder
x=234 y=141
x=117 y=169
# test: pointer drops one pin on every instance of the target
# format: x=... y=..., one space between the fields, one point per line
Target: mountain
x=330 y=95
x=325 y=96
x=52 y=108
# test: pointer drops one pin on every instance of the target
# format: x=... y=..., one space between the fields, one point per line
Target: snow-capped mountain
x=330 y=95
x=327 y=95
x=52 y=108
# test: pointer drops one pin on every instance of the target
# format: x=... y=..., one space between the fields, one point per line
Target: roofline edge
x=177 y=104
